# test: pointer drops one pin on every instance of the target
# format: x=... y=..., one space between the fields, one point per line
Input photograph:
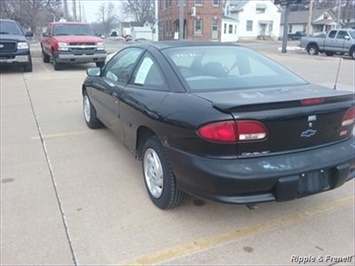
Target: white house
x=250 y=20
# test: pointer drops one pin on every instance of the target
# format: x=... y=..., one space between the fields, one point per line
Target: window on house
x=249 y=25
x=215 y=2
x=230 y=28
x=260 y=10
x=290 y=29
x=198 y=26
x=225 y=28
x=198 y=2
x=235 y=29
x=215 y=24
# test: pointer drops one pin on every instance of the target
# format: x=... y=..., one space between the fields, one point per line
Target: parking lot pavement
x=71 y=195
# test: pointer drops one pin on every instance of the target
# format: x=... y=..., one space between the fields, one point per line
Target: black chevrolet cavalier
x=222 y=122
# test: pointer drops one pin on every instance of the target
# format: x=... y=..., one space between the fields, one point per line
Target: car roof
x=185 y=43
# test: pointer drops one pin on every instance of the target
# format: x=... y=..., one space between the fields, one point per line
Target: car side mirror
x=29 y=34
x=346 y=37
x=45 y=34
x=93 y=72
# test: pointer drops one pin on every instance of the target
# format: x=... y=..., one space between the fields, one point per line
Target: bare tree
x=141 y=10
x=108 y=17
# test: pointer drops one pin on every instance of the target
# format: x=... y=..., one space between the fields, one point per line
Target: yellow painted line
x=64 y=134
x=205 y=243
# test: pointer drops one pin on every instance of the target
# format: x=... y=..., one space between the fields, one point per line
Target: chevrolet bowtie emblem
x=308 y=133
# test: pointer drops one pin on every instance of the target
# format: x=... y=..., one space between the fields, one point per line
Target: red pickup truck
x=71 y=43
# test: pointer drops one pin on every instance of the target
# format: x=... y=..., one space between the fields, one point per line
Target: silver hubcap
x=87 y=111
x=153 y=173
x=312 y=51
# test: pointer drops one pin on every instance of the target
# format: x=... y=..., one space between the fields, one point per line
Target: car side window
x=148 y=74
x=332 y=34
x=120 y=66
x=342 y=34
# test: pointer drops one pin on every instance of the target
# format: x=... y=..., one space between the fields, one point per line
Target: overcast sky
x=91 y=8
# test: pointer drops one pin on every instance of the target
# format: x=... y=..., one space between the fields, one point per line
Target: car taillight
x=348 y=118
x=233 y=131
x=312 y=101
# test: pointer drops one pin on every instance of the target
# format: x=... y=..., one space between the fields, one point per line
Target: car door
x=343 y=43
x=109 y=89
x=330 y=44
x=142 y=98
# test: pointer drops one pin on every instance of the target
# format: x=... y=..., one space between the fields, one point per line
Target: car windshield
x=206 y=68
x=10 y=27
x=72 y=29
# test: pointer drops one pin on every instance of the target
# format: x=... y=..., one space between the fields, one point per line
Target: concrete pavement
x=70 y=195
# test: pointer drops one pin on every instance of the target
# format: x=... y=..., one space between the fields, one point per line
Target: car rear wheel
x=45 y=58
x=312 y=49
x=352 y=53
x=90 y=113
x=159 y=177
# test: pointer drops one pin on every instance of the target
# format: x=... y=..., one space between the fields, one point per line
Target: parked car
x=221 y=122
x=296 y=36
x=14 y=47
x=337 y=41
x=72 y=43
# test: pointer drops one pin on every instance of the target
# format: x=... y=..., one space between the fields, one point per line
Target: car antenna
x=337 y=76
x=341 y=57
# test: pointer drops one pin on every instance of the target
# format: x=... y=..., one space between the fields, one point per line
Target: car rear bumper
x=70 y=58
x=273 y=178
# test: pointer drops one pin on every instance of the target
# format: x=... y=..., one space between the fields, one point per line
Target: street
x=75 y=196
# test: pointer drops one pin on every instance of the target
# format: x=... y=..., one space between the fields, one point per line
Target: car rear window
x=205 y=68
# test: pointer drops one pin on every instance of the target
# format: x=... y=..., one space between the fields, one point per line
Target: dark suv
x=14 y=48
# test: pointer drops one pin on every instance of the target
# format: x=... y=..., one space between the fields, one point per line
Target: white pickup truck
x=340 y=41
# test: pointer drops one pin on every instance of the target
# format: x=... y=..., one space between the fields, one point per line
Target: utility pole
x=66 y=11
x=339 y=11
x=310 y=15
x=181 y=19
x=286 y=19
x=80 y=18
x=74 y=10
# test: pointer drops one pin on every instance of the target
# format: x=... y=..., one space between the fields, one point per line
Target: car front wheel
x=159 y=177
x=90 y=113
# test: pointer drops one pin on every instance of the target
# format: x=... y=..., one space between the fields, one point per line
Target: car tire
x=28 y=67
x=159 y=177
x=100 y=64
x=90 y=113
x=352 y=53
x=56 y=65
x=312 y=49
x=329 y=53
x=45 y=57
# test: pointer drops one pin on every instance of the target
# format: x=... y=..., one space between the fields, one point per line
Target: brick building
x=202 y=19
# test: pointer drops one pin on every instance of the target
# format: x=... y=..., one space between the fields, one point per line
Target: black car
x=14 y=47
x=296 y=36
x=221 y=122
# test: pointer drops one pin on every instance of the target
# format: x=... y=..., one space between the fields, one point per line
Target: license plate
x=314 y=182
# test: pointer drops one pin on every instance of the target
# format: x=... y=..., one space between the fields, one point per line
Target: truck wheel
x=329 y=53
x=100 y=64
x=28 y=67
x=45 y=58
x=352 y=53
x=56 y=65
x=159 y=177
x=312 y=49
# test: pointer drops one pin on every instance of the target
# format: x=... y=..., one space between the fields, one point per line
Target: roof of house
x=301 y=17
